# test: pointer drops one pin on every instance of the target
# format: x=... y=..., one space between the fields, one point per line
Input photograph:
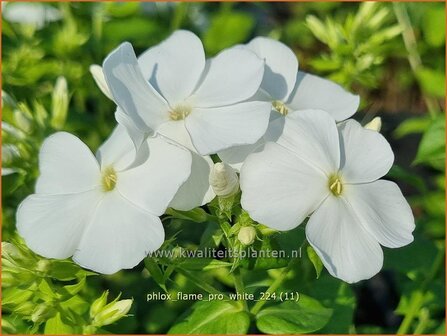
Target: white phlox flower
x=196 y=191
x=172 y=90
x=202 y=100
x=290 y=91
x=102 y=211
x=331 y=173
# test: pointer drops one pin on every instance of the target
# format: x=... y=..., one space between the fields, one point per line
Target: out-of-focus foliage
x=392 y=55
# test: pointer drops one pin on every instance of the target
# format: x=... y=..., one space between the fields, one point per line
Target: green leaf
x=432 y=81
x=431 y=150
x=315 y=260
x=203 y=264
x=411 y=126
x=433 y=26
x=65 y=270
x=197 y=215
x=227 y=29
x=155 y=272
x=291 y=317
x=55 y=326
x=214 y=317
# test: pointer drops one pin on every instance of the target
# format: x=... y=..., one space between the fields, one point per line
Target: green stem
x=273 y=287
x=239 y=285
x=179 y=15
x=411 y=45
x=417 y=298
x=199 y=282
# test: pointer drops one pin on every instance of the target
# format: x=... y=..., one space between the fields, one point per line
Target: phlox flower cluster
x=284 y=134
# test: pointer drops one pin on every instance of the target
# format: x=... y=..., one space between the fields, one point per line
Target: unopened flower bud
x=375 y=124
x=41 y=313
x=60 y=103
x=247 y=235
x=98 y=304
x=22 y=121
x=112 y=312
x=223 y=179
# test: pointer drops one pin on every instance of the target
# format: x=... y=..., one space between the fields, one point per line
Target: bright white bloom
x=223 y=179
x=196 y=191
x=331 y=174
x=36 y=14
x=290 y=91
x=203 y=101
x=103 y=211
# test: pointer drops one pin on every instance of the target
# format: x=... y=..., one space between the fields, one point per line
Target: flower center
x=335 y=185
x=108 y=179
x=280 y=107
x=180 y=112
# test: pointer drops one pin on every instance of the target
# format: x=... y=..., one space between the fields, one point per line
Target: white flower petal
x=347 y=251
x=196 y=191
x=66 y=165
x=100 y=80
x=137 y=134
x=215 y=129
x=279 y=189
x=131 y=92
x=174 y=66
x=117 y=151
x=312 y=135
x=52 y=225
x=119 y=236
x=281 y=66
x=176 y=131
x=316 y=93
x=232 y=76
x=235 y=156
x=383 y=211
x=153 y=184
x=365 y=155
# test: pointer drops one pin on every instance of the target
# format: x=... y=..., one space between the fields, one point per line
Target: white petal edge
x=100 y=80
x=312 y=135
x=234 y=75
x=52 y=225
x=279 y=189
x=117 y=151
x=131 y=92
x=196 y=191
x=281 y=66
x=119 y=236
x=235 y=156
x=153 y=184
x=66 y=165
x=216 y=129
x=383 y=211
x=174 y=66
x=316 y=93
x=365 y=155
x=346 y=249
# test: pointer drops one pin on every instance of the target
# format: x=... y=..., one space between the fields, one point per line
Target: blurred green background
x=392 y=54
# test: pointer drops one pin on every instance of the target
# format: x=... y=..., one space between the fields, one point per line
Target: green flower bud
x=60 y=103
x=98 y=304
x=22 y=121
x=42 y=312
x=112 y=312
x=247 y=235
